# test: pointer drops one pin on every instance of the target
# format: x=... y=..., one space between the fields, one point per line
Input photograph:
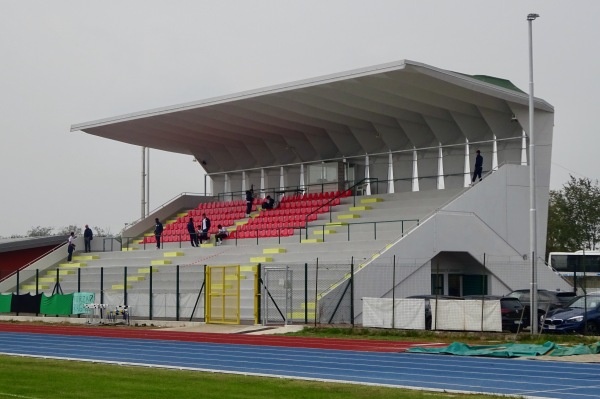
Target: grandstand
x=371 y=169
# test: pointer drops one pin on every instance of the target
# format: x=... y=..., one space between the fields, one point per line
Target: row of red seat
x=212 y=217
x=294 y=211
x=313 y=196
x=297 y=224
x=273 y=232
x=282 y=218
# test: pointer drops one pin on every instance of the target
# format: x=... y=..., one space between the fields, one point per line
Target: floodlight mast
x=532 y=191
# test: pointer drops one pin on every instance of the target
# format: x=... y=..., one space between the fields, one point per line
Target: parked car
x=580 y=316
x=515 y=316
x=428 y=298
x=547 y=300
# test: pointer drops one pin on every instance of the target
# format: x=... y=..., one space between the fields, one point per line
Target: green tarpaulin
x=57 y=304
x=580 y=349
x=502 y=350
x=5 y=301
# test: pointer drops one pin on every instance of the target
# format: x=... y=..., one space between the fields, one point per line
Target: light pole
x=532 y=191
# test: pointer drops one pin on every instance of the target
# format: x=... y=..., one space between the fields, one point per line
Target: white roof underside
x=388 y=107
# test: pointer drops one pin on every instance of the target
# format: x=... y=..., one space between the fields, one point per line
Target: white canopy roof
x=388 y=107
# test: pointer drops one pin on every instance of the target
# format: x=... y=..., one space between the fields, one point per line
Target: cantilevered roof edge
x=392 y=66
x=480 y=85
x=448 y=76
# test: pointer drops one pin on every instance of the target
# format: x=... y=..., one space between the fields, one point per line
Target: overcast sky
x=67 y=62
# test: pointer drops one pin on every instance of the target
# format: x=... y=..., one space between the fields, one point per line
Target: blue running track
x=527 y=378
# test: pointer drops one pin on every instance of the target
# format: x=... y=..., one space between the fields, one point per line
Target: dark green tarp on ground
x=581 y=349
x=5 y=301
x=502 y=350
x=57 y=304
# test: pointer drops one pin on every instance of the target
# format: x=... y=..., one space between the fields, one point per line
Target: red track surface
x=264 y=340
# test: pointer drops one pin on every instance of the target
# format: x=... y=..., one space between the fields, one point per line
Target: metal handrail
x=183 y=237
x=360 y=183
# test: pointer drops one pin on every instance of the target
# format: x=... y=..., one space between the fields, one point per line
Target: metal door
x=277 y=296
x=223 y=294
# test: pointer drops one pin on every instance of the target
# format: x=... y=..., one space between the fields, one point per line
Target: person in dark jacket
x=268 y=203
x=192 y=230
x=158 y=229
x=478 y=167
x=87 y=238
x=249 y=200
x=204 y=228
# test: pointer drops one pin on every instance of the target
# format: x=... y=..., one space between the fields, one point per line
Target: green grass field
x=31 y=378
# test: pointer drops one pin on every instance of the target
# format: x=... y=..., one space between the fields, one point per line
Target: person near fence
x=221 y=233
x=88 y=236
x=71 y=246
x=249 y=200
x=478 y=167
x=158 y=229
x=192 y=230
x=204 y=227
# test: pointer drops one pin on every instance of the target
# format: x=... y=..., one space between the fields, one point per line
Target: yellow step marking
x=360 y=208
x=48 y=279
x=50 y=273
x=274 y=251
x=71 y=265
x=146 y=270
x=121 y=286
x=136 y=278
x=320 y=232
x=173 y=254
x=160 y=262
x=370 y=200
x=86 y=257
x=312 y=240
x=261 y=259
x=349 y=216
x=32 y=287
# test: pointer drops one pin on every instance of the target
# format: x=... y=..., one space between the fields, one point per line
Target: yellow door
x=223 y=294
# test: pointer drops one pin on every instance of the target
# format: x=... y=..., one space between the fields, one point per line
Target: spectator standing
x=158 y=229
x=192 y=230
x=204 y=228
x=88 y=236
x=221 y=233
x=249 y=200
x=478 y=167
x=71 y=246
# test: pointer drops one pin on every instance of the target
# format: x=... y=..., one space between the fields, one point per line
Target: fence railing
x=385 y=293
